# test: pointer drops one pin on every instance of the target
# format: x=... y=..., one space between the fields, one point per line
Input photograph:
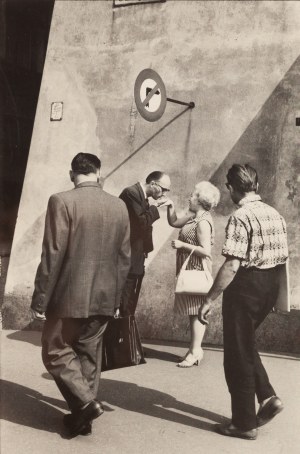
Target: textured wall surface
x=238 y=61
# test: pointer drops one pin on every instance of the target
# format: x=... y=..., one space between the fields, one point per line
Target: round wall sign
x=150 y=95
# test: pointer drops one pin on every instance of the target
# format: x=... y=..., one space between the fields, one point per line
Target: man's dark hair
x=85 y=163
x=243 y=178
x=154 y=176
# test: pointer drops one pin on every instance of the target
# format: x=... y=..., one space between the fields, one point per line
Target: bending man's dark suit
x=84 y=264
x=141 y=216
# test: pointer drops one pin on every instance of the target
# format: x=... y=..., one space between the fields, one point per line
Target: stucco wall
x=239 y=63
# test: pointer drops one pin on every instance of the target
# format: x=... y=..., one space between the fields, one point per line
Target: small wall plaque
x=56 y=111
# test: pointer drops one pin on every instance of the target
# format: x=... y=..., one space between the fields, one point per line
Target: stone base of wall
x=279 y=333
x=156 y=318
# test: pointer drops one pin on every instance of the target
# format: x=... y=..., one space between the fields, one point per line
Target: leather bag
x=193 y=282
x=122 y=345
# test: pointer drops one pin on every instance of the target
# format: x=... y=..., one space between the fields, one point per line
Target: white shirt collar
x=249 y=198
x=144 y=191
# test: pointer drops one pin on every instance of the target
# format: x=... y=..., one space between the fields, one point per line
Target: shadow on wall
x=270 y=144
x=15 y=310
x=16 y=304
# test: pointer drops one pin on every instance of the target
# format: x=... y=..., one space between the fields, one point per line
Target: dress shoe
x=82 y=417
x=182 y=358
x=191 y=360
x=269 y=410
x=231 y=431
x=68 y=421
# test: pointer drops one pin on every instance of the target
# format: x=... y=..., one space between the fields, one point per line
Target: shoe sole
x=262 y=422
x=187 y=367
x=235 y=435
x=80 y=426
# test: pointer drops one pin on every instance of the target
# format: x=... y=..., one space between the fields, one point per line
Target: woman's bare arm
x=173 y=220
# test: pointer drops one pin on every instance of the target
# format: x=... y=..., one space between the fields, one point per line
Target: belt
x=261 y=270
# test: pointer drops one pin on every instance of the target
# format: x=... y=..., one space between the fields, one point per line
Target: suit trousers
x=130 y=294
x=72 y=354
x=246 y=303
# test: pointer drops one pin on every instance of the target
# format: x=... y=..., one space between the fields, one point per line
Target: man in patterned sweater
x=256 y=251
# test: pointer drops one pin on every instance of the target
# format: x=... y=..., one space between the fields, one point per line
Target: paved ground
x=152 y=408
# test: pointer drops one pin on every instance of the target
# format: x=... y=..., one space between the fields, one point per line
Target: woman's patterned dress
x=189 y=304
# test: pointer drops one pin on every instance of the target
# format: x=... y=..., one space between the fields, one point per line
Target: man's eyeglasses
x=163 y=189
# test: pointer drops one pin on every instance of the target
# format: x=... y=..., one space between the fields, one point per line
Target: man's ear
x=71 y=175
x=257 y=185
x=98 y=176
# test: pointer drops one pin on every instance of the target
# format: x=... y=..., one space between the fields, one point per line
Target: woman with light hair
x=196 y=234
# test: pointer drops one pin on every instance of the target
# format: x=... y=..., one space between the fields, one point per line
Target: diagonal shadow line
x=277 y=102
x=240 y=153
x=248 y=147
x=38 y=225
x=145 y=143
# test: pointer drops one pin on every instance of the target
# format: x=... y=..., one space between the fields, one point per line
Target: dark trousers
x=72 y=354
x=130 y=294
x=246 y=303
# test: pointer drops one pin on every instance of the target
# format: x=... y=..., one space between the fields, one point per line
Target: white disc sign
x=150 y=95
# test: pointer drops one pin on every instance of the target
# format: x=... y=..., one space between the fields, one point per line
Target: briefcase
x=122 y=345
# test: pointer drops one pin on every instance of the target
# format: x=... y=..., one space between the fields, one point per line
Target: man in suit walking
x=142 y=216
x=84 y=263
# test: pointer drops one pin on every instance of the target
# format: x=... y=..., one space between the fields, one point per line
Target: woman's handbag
x=122 y=346
x=193 y=282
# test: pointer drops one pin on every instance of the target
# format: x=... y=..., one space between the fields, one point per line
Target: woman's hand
x=166 y=202
x=169 y=203
x=177 y=244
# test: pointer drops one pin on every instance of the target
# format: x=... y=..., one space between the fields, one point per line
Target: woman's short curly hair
x=208 y=195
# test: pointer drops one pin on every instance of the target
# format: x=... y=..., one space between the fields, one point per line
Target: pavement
x=154 y=408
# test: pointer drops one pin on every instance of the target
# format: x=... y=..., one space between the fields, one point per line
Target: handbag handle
x=184 y=265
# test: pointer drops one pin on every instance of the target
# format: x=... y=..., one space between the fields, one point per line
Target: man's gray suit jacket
x=85 y=254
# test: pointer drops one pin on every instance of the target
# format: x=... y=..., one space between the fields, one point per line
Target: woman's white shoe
x=191 y=360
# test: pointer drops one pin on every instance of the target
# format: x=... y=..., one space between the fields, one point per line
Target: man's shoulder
x=63 y=195
x=258 y=209
x=133 y=190
x=112 y=199
x=114 y=203
x=72 y=194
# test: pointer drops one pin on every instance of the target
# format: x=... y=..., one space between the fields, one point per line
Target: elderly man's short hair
x=85 y=163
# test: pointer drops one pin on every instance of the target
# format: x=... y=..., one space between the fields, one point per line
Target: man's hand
x=37 y=315
x=204 y=311
x=162 y=201
x=177 y=244
x=167 y=203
